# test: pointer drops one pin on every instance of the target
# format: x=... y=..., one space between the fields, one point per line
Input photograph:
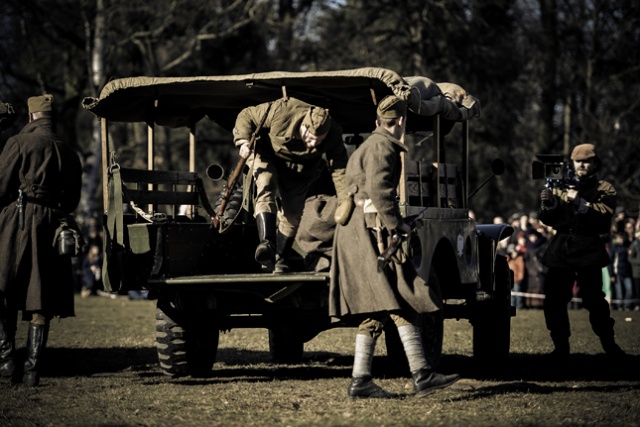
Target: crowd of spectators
x=620 y=279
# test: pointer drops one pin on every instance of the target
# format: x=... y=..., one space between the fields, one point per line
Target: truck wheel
x=431 y=331
x=286 y=344
x=186 y=345
x=492 y=320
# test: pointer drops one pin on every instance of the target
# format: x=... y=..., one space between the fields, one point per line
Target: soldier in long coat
x=576 y=252
x=300 y=137
x=357 y=287
x=40 y=181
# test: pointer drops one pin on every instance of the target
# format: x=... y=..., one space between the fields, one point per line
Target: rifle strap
x=203 y=198
x=115 y=212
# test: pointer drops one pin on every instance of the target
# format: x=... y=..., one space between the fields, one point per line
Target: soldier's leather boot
x=364 y=387
x=36 y=343
x=284 y=247
x=561 y=351
x=7 y=334
x=425 y=381
x=612 y=349
x=266 y=249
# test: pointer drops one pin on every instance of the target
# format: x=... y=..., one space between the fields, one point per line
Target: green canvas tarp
x=350 y=96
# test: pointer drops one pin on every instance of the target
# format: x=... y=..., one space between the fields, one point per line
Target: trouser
x=368 y=333
x=375 y=326
x=623 y=291
x=558 y=290
x=276 y=177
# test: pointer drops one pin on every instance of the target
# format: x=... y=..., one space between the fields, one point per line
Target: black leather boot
x=364 y=387
x=284 y=247
x=425 y=381
x=7 y=334
x=612 y=349
x=36 y=343
x=561 y=352
x=266 y=250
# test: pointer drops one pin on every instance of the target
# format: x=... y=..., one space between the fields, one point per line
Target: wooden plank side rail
x=420 y=178
x=158 y=176
x=153 y=188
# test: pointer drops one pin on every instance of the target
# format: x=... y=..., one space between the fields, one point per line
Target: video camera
x=555 y=170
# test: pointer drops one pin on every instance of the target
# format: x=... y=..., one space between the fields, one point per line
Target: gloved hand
x=547 y=198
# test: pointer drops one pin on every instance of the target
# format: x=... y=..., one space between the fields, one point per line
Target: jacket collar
x=382 y=131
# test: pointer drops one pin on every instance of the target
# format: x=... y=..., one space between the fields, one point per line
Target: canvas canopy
x=350 y=95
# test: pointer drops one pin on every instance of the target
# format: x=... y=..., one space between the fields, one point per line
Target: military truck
x=204 y=277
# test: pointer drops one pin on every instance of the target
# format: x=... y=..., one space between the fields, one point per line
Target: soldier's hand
x=404 y=228
x=546 y=196
x=244 y=150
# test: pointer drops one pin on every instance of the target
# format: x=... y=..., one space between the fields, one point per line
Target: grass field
x=101 y=370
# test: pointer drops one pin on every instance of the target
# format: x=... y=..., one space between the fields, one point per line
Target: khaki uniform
x=283 y=165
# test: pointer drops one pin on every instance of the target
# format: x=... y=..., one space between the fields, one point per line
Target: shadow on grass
x=540 y=368
x=246 y=365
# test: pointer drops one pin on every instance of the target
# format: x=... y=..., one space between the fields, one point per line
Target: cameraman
x=579 y=213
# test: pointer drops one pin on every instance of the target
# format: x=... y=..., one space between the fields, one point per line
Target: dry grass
x=101 y=371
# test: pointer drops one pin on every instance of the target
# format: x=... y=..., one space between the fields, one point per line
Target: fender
x=496 y=232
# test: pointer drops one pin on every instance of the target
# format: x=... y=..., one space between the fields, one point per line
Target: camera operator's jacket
x=357 y=287
x=579 y=225
x=32 y=275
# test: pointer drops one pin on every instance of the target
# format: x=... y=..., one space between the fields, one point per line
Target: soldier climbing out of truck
x=299 y=135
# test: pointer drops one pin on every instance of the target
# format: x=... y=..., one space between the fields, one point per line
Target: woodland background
x=550 y=73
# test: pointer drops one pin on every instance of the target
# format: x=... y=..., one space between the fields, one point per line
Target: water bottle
x=66 y=243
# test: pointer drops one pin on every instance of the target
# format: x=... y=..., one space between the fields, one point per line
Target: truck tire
x=492 y=320
x=286 y=344
x=186 y=345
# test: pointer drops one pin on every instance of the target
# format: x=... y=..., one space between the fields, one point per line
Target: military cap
x=583 y=152
x=317 y=121
x=40 y=103
x=392 y=107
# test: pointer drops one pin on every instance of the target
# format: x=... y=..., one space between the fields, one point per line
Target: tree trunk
x=90 y=201
x=549 y=51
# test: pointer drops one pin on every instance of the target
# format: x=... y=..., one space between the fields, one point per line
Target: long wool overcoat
x=357 y=287
x=32 y=275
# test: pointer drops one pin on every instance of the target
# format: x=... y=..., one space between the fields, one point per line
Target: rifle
x=233 y=179
x=396 y=241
